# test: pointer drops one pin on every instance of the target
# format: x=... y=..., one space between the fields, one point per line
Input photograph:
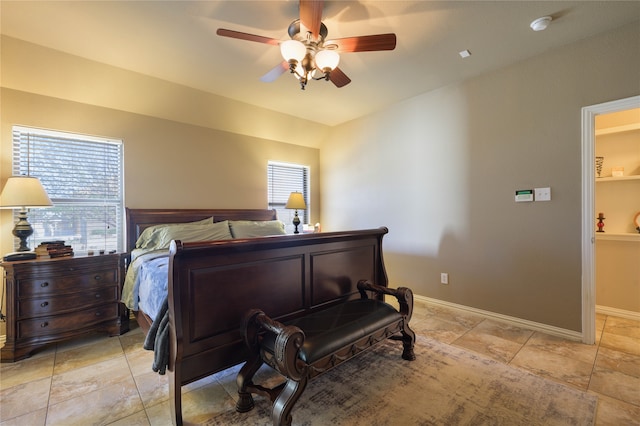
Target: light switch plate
x=542 y=194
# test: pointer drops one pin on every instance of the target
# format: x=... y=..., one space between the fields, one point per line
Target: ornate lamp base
x=23 y=230
x=296 y=222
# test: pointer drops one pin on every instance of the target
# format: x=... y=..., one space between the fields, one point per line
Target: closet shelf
x=618 y=237
x=616 y=178
x=618 y=129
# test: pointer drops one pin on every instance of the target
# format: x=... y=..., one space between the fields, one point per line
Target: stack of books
x=50 y=249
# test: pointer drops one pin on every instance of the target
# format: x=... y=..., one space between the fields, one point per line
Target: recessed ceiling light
x=541 y=24
x=464 y=54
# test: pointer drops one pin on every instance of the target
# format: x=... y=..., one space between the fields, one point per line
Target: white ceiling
x=176 y=41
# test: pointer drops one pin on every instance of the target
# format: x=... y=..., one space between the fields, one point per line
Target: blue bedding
x=146 y=282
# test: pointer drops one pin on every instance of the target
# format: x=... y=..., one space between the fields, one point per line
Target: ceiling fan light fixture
x=306 y=51
x=327 y=60
x=293 y=50
x=301 y=72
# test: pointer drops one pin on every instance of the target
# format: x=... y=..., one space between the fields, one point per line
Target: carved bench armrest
x=404 y=295
x=287 y=342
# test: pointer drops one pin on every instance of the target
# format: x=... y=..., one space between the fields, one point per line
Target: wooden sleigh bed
x=140 y=219
x=212 y=284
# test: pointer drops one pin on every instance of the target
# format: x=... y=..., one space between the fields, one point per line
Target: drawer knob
x=44 y=324
x=98 y=314
x=97 y=278
x=98 y=295
x=44 y=284
x=43 y=304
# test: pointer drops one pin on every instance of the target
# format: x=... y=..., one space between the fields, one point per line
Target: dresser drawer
x=43 y=306
x=74 y=281
x=67 y=322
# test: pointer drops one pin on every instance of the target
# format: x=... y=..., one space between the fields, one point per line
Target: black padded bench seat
x=307 y=346
x=331 y=329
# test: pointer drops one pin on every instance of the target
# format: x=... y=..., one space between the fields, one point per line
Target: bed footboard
x=213 y=284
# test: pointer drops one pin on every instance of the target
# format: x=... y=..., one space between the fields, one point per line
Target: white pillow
x=257 y=228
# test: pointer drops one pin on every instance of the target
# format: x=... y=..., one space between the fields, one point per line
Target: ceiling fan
x=309 y=51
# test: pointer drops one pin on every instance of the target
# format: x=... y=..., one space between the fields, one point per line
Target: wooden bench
x=312 y=344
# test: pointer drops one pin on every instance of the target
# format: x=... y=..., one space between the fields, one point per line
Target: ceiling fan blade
x=275 y=72
x=339 y=78
x=370 y=43
x=245 y=36
x=311 y=15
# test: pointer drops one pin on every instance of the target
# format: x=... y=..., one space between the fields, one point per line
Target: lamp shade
x=327 y=59
x=293 y=50
x=296 y=201
x=24 y=192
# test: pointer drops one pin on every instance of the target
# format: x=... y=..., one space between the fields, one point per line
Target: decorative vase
x=599 y=162
x=600 y=223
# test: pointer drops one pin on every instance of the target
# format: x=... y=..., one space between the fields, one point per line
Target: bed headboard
x=139 y=219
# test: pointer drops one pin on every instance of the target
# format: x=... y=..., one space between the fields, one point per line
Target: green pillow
x=257 y=228
x=151 y=237
x=194 y=233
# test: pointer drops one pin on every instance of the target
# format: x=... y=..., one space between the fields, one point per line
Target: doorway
x=588 y=206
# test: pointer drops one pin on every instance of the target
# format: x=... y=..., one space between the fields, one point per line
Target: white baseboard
x=615 y=312
x=531 y=325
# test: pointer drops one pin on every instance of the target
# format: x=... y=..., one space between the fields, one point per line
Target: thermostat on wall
x=524 y=195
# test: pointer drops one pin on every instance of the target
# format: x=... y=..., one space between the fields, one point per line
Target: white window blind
x=283 y=179
x=83 y=176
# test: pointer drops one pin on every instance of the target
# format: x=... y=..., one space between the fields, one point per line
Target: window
x=283 y=179
x=83 y=176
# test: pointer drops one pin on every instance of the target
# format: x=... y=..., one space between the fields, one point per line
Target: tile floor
x=100 y=380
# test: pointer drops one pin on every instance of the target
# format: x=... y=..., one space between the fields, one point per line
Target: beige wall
x=36 y=69
x=618 y=275
x=440 y=170
x=167 y=163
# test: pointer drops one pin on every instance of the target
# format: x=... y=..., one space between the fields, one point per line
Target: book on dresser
x=51 y=249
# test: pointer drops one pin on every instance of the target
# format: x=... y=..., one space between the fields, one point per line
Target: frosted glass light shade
x=327 y=59
x=293 y=50
x=24 y=191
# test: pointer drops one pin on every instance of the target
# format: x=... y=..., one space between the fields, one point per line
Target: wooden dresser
x=50 y=300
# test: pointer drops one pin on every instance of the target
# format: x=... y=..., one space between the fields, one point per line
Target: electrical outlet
x=444 y=278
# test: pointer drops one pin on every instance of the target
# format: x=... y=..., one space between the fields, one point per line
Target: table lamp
x=23 y=192
x=296 y=201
